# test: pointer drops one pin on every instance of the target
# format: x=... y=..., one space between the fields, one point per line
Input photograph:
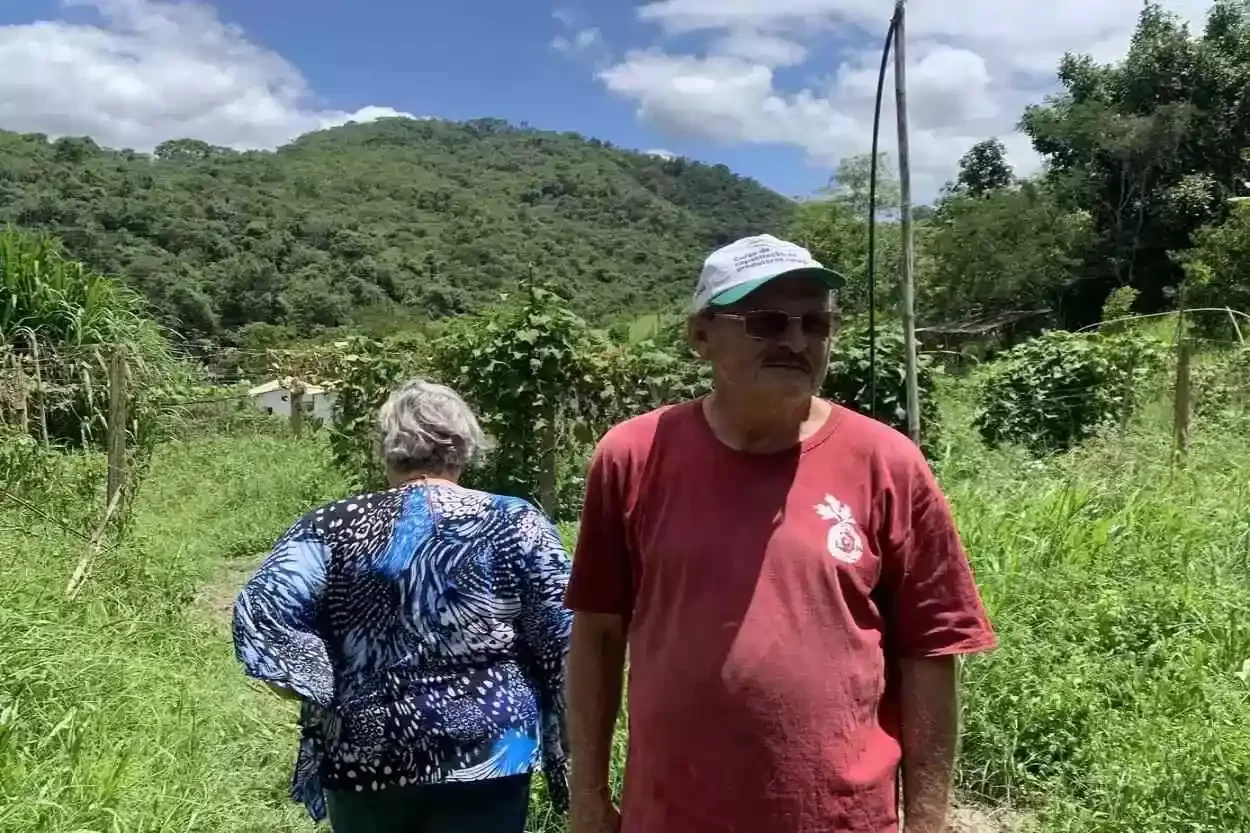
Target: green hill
x=398 y=218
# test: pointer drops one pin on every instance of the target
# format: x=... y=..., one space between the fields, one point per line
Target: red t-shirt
x=763 y=594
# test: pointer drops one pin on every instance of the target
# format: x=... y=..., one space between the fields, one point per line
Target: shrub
x=1222 y=388
x=848 y=382
x=363 y=372
x=59 y=322
x=525 y=366
x=1054 y=391
x=21 y=462
x=1119 y=305
x=646 y=374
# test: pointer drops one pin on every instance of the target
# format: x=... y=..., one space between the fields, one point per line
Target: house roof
x=276 y=384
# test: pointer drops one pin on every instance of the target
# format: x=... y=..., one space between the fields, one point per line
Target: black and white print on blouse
x=424 y=630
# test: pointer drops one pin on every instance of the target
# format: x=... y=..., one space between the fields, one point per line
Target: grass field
x=1120 y=587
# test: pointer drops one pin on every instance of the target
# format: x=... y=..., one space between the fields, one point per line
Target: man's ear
x=696 y=334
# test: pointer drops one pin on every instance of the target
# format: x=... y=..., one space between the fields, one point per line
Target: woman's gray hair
x=428 y=427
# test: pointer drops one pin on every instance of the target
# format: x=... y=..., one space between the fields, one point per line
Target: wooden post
x=904 y=186
x=297 y=407
x=548 y=493
x=39 y=389
x=1127 y=403
x=93 y=548
x=1181 y=405
x=116 y=424
x=23 y=408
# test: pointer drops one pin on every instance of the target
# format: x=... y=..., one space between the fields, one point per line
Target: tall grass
x=59 y=322
x=125 y=712
x=49 y=296
x=1119 y=585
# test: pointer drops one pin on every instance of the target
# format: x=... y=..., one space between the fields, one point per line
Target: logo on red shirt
x=843 y=540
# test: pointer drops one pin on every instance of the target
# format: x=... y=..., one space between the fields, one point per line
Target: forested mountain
x=399 y=217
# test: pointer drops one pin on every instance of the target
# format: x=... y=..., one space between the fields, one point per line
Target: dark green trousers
x=497 y=805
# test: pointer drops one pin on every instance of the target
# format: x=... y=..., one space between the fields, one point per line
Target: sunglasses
x=768 y=324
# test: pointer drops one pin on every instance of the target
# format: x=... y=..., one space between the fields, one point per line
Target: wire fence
x=95 y=395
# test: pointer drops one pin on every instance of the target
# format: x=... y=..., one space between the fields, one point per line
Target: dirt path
x=966 y=818
x=217 y=598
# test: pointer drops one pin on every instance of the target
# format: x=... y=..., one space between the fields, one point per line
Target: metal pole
x=908 y=259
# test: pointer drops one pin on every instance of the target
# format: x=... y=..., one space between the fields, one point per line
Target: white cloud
x=661 y=153
x=151 y=71
x=580 y=42
x=724 y=98
x=972 y=67
x=769 y=50
x=682 y=16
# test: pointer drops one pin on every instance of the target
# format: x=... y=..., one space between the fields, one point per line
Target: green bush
x=363 y=373
x=1117 y=700
x=647 y=374
x=537 y=373
x=848 y=382
x=1051 y=392
x=21 y=462
x=1222 y=387
x=1119 y=305
x=526 y=367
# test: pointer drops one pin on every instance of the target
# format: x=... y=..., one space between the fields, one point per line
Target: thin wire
x=872 y=222
x=238 y=398
x=22 y=502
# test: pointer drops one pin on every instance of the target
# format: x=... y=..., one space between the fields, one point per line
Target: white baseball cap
x=734 y=271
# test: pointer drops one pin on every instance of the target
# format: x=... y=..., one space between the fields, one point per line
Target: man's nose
x=794 y=337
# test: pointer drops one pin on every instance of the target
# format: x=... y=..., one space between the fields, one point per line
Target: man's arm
x=930 y=725
x=595 y=672
x=935 y=615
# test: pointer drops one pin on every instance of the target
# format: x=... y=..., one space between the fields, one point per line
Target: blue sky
x=779 y=90
x=463 y=61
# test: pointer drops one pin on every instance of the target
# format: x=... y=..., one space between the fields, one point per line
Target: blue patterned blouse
x=424 y=630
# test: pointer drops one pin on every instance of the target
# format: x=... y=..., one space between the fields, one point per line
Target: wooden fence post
x=116 y=424
x=39 y=389
x=1181 y=405
x=116 y=483
x=548 y=493
x=297 y=407
x=19 y=379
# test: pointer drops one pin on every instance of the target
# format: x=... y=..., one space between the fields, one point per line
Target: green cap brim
x=828 y=277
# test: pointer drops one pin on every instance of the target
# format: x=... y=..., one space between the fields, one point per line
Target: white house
x=275 y=398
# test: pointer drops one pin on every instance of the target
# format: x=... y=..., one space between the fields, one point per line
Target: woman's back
x=424 y=627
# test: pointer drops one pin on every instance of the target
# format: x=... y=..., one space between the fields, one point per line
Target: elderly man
x=788 y=579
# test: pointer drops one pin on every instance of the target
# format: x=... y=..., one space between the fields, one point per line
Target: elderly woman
x=423 y=631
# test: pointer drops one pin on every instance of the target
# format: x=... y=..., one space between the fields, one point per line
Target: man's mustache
x=787 y=360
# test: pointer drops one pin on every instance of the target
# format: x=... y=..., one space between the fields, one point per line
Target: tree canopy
x=1151 y=147
x=984 y=169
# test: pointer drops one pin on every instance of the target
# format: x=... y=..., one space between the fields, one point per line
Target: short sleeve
x=601 y=577
x=934 y=607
